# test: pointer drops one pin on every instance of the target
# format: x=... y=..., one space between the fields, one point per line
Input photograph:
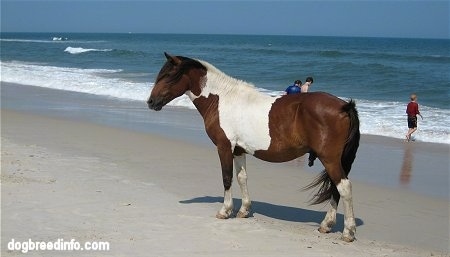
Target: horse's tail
x=352 y=144
x=327 y=189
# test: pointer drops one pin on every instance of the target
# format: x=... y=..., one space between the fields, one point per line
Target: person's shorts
x=412 y=122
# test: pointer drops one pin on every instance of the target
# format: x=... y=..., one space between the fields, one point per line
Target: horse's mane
x=221 y=83
x=186 y=64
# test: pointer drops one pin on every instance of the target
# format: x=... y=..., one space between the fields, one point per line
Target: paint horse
x=241 y=120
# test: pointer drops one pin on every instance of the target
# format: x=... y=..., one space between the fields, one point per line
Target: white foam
x=92 y=81
x=79 y=50
x=376 y=118
x=59 y=38
x=26 y=40
x=389 y=119
x=54 y=40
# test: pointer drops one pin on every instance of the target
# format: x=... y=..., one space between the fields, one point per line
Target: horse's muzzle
x=155 y=103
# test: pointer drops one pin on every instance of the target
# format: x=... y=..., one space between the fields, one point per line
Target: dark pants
x=412 y=122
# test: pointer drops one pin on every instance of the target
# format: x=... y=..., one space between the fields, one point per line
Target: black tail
x=327 y=188
x=354 y=135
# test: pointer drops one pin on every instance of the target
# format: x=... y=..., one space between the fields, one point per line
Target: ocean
x=378 y=73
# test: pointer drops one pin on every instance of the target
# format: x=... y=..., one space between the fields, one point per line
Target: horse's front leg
x=226 y=161
x=241 y=174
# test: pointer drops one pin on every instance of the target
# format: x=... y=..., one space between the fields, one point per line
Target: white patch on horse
x=241 y=174
x=330 y=218
x=243 y=111
x=345 y=190
x=227 y=207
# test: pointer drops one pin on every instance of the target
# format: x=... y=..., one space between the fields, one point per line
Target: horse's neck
x=222 y=85
x=217 y=87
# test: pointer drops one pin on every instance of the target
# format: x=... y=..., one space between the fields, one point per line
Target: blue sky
x=382 y=18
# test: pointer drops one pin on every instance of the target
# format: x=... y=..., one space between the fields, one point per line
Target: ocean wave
x=116 y=52
x=406 y=57
x=331 y=53
x=388 y=119
x=60 y=39
x=384 y=118
x=356 y=54
x=28 y=40
x=80 y=50
x=92 y=81
x=336 y=54
x=120 y=52
x=367 y=55
x=51 y=40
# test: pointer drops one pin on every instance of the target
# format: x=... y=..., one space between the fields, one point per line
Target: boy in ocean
x=412 y=110
x=294 y=89
x=305 y=87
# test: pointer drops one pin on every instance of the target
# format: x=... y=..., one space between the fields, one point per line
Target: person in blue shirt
x=294 y=89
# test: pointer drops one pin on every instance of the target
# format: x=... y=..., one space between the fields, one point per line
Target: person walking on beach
x=412 y=110
x=305 y=87
x=294 y=89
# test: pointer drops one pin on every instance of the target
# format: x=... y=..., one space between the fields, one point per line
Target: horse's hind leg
x=241 y=173
x=344 y=188
x=330 y=218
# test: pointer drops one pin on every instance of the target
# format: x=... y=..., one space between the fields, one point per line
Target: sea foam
x=79 y=50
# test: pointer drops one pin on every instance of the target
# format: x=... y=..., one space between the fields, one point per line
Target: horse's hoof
x=221 y=216
x=241 y=214
x=348 y=239
x=324 y=230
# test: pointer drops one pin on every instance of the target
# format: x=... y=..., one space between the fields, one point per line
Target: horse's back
x=307 y=106
x=313 y=99
x=307 y=120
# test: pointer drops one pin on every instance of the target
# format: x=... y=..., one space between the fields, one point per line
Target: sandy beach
x=151 y=194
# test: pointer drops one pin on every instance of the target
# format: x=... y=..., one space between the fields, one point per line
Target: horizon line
x=229 y=34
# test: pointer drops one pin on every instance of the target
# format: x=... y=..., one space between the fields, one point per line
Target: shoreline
x=113 y=184
x=402 y=165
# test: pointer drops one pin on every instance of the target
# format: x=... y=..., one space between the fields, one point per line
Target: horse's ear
x=172 y=59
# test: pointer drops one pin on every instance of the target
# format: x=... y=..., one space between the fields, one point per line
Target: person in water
x=294 y=89
x=412 y=110
x=305 y=87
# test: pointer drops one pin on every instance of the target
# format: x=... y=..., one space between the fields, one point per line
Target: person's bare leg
x=410 y=131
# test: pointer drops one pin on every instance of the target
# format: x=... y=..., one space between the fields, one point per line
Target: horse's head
x=178 y=75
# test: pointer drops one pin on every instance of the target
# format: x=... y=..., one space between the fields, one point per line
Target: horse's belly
x=272 y=155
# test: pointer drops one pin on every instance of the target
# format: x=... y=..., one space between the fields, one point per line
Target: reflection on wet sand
x=406 y=170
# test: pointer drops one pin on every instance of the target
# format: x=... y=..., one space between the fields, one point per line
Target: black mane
x=174 y=72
